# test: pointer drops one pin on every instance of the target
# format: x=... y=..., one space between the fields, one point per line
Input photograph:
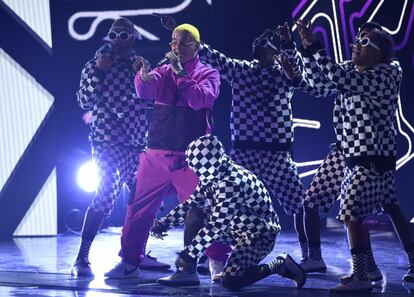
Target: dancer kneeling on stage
x=238 y=210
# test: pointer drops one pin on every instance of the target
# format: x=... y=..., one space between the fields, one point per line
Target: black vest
x=174 y=127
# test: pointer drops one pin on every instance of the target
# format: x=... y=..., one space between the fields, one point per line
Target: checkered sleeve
x=305 y=86
x=177 y=215
x=90 y=85
x=226 y=205
x=225 y=65
x=314 y=76
x=294 y=57
x=373 y=83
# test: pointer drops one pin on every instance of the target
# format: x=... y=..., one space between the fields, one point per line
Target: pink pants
x=160 y=174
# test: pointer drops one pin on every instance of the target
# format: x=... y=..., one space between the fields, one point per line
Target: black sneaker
x=292 y=270
x=81 y=268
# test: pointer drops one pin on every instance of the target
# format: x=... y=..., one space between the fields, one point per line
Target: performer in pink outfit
x=183 y=92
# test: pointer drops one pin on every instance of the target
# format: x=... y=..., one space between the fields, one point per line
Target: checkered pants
x=361 y=191
x=325 y=187
x=364 y=191
x=278 y=172
x=116 y=165
x=250 y=249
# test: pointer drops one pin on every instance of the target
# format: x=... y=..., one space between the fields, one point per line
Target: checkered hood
x=205 y=156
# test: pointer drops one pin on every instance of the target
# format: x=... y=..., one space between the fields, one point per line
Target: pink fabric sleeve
x=149 y=89
x=203 y=93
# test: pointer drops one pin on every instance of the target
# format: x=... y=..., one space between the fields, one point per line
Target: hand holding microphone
x=175 y=62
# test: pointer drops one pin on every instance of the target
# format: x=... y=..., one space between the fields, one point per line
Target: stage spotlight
x=88 y=178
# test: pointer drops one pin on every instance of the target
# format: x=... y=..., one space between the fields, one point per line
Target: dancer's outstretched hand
x=305 y=33
x=284 y=33
x=168 y=22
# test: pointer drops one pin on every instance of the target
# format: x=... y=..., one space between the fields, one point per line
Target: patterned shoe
x=409 y=276
x=353 y=284
x=203 y=265
x=180 y=278
x=123 y=270
x=373 y=276
x=292 y=270
x=310 y=265
x=151 y=263
x=216 y=270
x=81 y=268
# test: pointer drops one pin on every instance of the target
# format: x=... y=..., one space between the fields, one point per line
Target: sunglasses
x=123 y=35
x=364 y=40
x=264 y=42
x=179 y=44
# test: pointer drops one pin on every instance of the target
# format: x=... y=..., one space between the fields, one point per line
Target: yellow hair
x=190 y=29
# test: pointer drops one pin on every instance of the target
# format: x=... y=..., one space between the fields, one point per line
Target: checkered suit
x=261 y=108
x=364 y=120
x=118 y=124
x=364 y=191
x=364 y=112
x=116 y=165
x=325 y=187
x=117 y=114
x=241 y=213
x=262 y=114
x=278 y=172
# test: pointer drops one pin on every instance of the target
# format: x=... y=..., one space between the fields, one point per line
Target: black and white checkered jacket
x=364 y=110
x=117 y=114
x=238 y=203
x=261 y=106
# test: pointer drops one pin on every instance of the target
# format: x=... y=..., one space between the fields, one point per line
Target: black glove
x=158 y=230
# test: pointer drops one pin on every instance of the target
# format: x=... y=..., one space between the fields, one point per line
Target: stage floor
x=41 y=267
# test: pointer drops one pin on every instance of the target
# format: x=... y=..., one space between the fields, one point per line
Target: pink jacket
x=197 y=90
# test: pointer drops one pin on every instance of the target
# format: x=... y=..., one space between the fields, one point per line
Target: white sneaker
x=180 y=278
x=151 y=263
x=310 y=265
x=203 y=265
x=216 y=270
x=123 y=270
x=353 y=285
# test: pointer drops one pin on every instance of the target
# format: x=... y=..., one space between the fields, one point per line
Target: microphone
x=163 y=61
